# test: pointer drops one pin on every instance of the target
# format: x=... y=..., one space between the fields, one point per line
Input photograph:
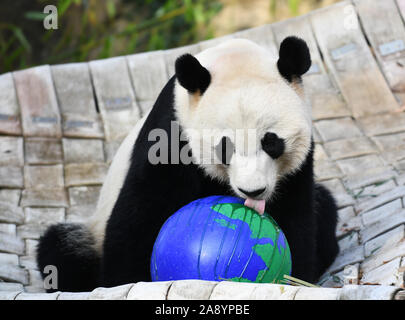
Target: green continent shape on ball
x=225 y=224
x=261 y=227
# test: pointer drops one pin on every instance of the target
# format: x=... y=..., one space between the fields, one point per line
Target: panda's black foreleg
x=300 y=232
x=311 y=234
x=326 y=215
x=128 y=243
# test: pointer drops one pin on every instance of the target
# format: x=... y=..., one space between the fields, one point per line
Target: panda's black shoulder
x=184 y=178
x=162 y=112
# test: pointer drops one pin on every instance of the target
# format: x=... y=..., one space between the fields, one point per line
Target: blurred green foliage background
x=92 y=29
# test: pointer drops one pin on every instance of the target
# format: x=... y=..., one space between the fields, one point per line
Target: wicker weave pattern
x=61 y=125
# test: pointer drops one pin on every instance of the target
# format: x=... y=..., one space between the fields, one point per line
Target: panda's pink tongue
x=257 y=205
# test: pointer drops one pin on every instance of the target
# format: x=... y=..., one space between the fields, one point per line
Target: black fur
x=225 y=150
x=294 y=58
x=325 y=210
x=191 y=74
x=151 y=193
x=305 y=211
x=273 y=145
x=307 y=214
x=69 y=247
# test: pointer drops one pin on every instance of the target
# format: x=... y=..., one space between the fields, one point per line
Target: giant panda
x=236 y=85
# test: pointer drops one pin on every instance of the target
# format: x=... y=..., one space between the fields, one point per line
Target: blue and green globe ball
x=218 y=238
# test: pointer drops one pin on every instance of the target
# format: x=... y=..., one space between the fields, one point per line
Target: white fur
x=112 y=185
x=246 y=92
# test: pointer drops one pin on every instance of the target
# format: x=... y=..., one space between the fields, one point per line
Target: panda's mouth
x=253 y=194
x=254 y=199
x=257 y=205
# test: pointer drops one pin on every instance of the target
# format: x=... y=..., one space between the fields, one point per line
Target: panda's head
x=244 y=113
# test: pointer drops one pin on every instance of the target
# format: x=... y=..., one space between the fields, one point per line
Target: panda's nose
x=253 y=193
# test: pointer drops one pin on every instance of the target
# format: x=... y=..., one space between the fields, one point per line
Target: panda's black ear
x=191 y=74
x=294 y=58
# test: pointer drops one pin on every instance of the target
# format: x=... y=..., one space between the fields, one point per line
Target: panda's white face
x=258 y=119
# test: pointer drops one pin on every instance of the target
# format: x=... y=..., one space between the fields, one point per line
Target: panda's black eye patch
x=273 y=145
x=224 y=150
